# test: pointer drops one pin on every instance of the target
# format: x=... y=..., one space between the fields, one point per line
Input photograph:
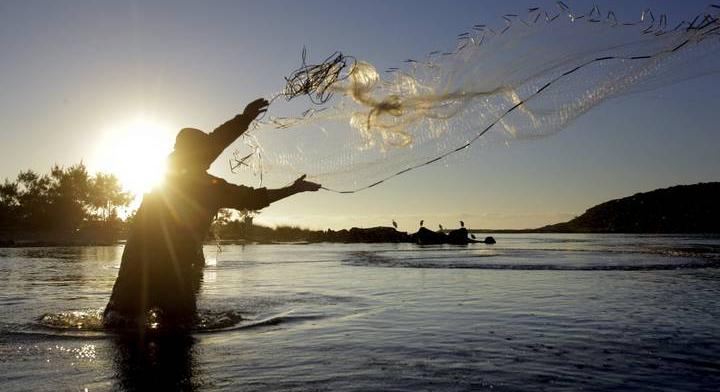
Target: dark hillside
x=678 y=209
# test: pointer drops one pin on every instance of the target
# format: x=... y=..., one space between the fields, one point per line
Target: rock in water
x=458 y=237
x=425 y=236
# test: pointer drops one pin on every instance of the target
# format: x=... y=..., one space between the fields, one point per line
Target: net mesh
x=528 y=78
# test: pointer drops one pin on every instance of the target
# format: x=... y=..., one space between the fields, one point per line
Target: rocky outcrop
x=454 y=237
x=366 y=235
x=389 y=234
x=428 y=237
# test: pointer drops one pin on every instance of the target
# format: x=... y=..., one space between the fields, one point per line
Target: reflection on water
x=155 y=363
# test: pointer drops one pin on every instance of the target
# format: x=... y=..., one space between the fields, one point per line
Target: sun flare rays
x=136 y=152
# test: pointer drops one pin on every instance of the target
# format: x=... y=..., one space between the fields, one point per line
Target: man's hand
x=300 y=185
x=255 y=108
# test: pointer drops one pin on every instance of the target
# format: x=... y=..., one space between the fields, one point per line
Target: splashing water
x=527 y=79
x=89 y=322
x=92 y=320
x=88 y=319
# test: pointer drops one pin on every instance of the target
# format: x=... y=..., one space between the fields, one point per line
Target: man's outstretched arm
x=245 y=198
x=227 y=133
x=300 y=185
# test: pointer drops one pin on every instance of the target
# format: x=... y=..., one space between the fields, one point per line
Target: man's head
x=192 y=150
x=189 y=139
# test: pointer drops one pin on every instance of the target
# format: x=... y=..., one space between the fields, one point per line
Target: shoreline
x=27 y=243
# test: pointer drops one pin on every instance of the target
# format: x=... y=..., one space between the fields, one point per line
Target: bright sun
x=136 y=153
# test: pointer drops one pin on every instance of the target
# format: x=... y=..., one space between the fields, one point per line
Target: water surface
x=540 y=312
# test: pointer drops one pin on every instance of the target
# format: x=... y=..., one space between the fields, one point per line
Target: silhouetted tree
x=65 y=199
x=69 y=195
x=9 y=202
x=106 y=195
x=34 y=200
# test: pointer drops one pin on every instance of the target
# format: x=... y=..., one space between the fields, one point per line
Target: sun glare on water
x=136 y=153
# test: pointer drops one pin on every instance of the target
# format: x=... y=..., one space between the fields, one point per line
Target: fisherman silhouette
x=162 y=262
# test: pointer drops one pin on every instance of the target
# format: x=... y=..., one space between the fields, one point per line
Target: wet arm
x=245 y=198
x=300 y=185
x=274 y=195
x=228 y=132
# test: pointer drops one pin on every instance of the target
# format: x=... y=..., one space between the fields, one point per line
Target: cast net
x=350 y=126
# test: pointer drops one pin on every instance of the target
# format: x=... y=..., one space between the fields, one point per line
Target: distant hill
x=678 y=209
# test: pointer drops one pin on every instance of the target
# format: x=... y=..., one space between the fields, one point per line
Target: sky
x=74 y=72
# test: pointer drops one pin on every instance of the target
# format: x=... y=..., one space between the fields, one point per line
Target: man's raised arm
x=227 y=133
